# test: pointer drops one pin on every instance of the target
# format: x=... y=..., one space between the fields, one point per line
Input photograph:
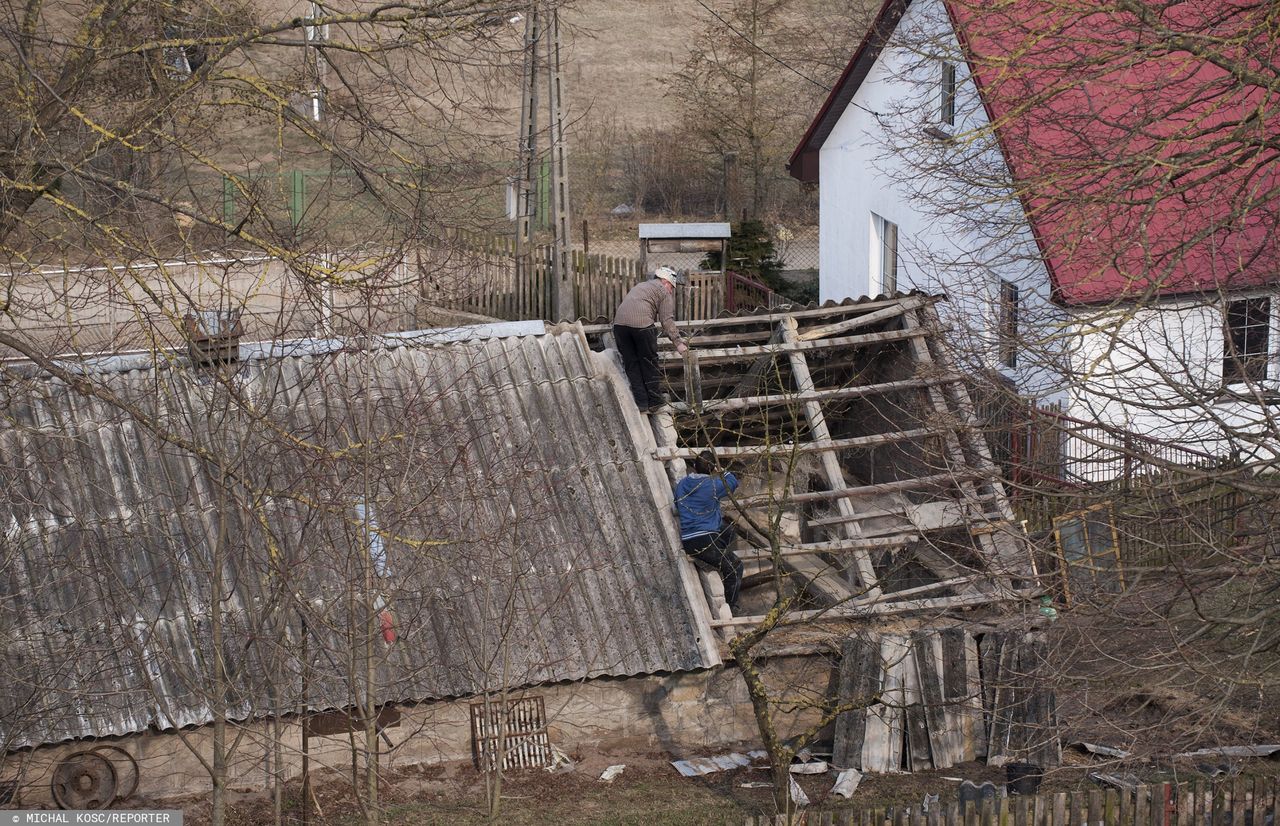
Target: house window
x=884 y=252
x=1247 y=340
x=948 y=110
x=1007 y=329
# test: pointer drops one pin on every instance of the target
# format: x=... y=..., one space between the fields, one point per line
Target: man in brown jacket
x=648 y=303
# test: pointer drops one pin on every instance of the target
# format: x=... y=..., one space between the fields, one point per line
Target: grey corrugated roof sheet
x=523 y=542
x=673 y=231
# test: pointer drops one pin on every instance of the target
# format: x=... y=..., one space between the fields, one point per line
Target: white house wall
x=1157 y=371
x=866 y=167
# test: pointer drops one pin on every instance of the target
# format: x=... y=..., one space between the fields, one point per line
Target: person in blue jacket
x=704 y=532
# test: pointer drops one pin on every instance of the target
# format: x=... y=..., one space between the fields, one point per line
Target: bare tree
x=1129 y=148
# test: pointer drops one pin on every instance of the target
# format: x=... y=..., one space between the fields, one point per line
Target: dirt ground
x=1123 y=680
x=650 y=791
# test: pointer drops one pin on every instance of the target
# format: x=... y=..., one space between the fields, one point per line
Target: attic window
x=1246 y=340
x=948 y=109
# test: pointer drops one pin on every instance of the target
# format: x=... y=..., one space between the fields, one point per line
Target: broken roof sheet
x=489 y=496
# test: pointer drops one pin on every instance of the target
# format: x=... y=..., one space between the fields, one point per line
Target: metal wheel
x=84 y=780
x=127 y=773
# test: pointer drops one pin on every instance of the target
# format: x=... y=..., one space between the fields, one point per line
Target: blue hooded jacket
x=698 y=502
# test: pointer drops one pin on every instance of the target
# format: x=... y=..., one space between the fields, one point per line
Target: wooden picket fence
x=1238 y=801
x=482 y=274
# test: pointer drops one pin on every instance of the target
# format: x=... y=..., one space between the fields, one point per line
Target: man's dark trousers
x=713 y=549
x=639 y=351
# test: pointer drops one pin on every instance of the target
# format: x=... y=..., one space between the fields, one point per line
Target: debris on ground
x=847 y=783
x=1124 y=782
x=815 y=767
x=560 y=762
x=1100 y=750
x=798 y=796
x=696 y=766
x=610 y=773
x=1267 y=750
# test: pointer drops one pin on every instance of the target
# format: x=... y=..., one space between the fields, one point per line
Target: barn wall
x=687 y=714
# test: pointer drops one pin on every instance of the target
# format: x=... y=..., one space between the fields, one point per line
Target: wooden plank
x=1013 y=554
x=996 y=557
x=882 y=747
x=1060 y=809
x=918 y=751
x=860 y=677
x=1141 y=807
x=667 y=454
x=773 y=317
x=832 y=472
x=1186 y=803
x=928 y=658
x=805 y=395
x=957 y=477
x=926 y=516
x=989 y=648
x=1001 y=702
x=1040 y=811
x=987 y=813
x=835 y=546
x=881 y=605
x=1257 y=789
x=838 y=327
x=660 y=487
x=721 y=355
x=956 y=695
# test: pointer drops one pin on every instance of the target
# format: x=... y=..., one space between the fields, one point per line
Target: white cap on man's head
x=666 y=274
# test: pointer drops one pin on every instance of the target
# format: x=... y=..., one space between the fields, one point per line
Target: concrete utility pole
x=542 y=57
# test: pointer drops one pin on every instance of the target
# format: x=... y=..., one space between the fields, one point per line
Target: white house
x=1099 y=206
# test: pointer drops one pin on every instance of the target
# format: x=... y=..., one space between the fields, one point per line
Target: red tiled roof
x=1144 y=170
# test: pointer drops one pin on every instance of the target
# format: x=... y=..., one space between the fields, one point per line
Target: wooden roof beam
x=807 y=396
x=724 y=354
x=668 y=454
x=887 y=314
x=885 y=605
x=833 y=547
x=916 y=483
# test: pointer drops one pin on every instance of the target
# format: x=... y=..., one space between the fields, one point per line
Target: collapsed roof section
x=860 y=433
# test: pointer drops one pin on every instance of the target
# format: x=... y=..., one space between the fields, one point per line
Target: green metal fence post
x=228 y=200
x=297 y=196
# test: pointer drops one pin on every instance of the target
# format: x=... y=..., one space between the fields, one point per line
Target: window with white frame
x=884 y=253
x=1007 y=324
x=1246 y=340
x=947 y=113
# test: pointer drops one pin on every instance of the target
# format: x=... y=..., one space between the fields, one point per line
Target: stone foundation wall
x=687 y=714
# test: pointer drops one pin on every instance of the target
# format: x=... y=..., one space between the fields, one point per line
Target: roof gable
x=1143 y=169
x=803 y=164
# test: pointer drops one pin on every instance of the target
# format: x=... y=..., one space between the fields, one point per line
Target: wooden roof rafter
x=881 y=363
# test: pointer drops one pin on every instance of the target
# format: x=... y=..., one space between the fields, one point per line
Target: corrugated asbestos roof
x=509 y=528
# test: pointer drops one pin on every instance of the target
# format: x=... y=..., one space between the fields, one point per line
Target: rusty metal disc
x=84 y=780
x=127 y=773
